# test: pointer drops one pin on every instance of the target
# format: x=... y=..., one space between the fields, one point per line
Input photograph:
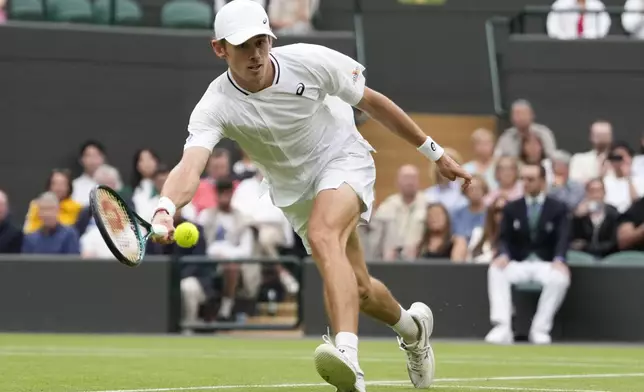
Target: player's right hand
x=452 y=170
x=162 y=218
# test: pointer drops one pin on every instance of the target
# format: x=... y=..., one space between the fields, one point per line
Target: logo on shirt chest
x=300 y=89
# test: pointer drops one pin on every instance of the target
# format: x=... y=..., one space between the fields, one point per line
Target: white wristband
x=431 y=149
x=167 y=205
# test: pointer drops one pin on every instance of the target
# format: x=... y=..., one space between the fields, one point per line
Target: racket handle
x=159 y=230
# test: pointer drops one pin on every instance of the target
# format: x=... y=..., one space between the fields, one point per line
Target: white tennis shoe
x=336 y=369
x=420 y=356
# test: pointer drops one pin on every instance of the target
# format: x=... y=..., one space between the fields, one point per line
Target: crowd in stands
x=588 y=19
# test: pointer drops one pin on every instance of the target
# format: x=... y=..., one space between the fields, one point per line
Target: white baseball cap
x=241 y=20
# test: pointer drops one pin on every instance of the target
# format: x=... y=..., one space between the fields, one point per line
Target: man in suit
x=532 y=248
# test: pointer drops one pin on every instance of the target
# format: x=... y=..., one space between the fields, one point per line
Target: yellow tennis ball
x=186 y=235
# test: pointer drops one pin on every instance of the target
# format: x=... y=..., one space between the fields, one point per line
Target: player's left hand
x=451 y=170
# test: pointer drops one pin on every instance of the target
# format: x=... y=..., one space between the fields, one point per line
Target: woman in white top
x=483 y=242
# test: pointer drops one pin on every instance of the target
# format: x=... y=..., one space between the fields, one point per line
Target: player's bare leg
x=414 y=326
x=333 y=218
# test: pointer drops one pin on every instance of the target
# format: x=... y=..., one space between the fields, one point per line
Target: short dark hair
x=623 y=145
x=162 y=168
x=91 y=143
x=223 y=185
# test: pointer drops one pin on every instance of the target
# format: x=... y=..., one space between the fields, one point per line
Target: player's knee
x=322 y=239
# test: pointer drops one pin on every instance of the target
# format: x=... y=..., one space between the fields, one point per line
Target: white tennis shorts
x=355 y=168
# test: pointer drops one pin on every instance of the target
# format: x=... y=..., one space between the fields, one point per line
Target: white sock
x=347 y=342
x=406 y=327
x=226 y=307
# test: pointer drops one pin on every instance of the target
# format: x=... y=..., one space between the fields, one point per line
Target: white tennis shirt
x=293 y=128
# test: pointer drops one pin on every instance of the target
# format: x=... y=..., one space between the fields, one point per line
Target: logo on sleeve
x=355 y=74
x=300 y=89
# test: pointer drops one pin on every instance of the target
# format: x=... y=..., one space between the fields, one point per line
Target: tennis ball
x=186 y=235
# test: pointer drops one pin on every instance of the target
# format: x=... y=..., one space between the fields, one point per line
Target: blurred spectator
x=569 y=20
x=398 y=223
x=221 y=3
x=91 y=156
x=638 y=160
x=228 y=236
x=52 y=237
x=468 y=218
x=623 y=188
x=92 y=244
x=484 y=243
x=273 y=231
x=3 y=13
x=522 y=117
x=633 y=18
x=630 y=232
x=563 y=188
x=532 y=153
x=291 y=16
x=144 y=166
x=108 y=176
x=244 y=168
x=507 y=176
x=532 y=247
x=437 y=242
x=446 y=192
x=10 y=235
x=60 y=183
x=484 y=162
x=218 y=168
x=145 y=207
x=585 y=166
x=594 y=225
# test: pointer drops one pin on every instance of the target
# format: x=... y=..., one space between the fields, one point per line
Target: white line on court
x=393 y=383
x=474 y=387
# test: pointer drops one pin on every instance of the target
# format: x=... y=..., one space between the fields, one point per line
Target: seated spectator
x=575 y=19
x=622 y=189
x=398 y=223
x=52 y=237
x=91 y=156
x=228 y=236
x=220 y=3
x=437 y=242
x=60 y=183
x=218 y=168
x=141 y=188
x=10 y=235
x=532 y=153
x=594 y=224
x=532 y=247
x=585 y=166
x=484 y=243
x=484 y=162
x=468 y=218
x=638 y=160
x=291 y=16
x=146 y=207
x=273 y=231
x=563 y=188
x=446 y=192
x=522 y=117
x=633 y=18
x=3 y=13
x=630 y=232
x=108 y=176
x=507 y=176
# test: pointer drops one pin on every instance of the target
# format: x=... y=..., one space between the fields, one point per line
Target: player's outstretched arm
x=180 y=187
x=386 y=112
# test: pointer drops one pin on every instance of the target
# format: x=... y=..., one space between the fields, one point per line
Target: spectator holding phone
x=623 y=188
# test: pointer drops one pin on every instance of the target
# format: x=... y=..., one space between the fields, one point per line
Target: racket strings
x=122 y=230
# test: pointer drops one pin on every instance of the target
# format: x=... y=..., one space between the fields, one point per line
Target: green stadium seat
x=26 y=10
x=128 y=12
x=576 y=257
x=530 y=287
x=191 y=14
x=73 y=11
x=625 y=258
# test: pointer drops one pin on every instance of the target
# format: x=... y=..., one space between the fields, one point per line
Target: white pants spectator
x=193 y=296
x=555 y=285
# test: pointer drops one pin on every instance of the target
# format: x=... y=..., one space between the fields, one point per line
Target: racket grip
x=159 y=230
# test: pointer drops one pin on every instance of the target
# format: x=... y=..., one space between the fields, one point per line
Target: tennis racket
x=125 y=233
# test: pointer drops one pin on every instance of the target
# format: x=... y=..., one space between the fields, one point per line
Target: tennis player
x=290 y=110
